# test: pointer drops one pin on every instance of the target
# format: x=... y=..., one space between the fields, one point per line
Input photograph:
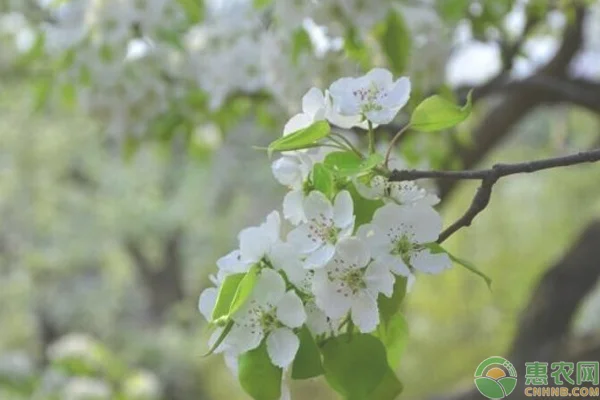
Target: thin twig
x=488 y=178
x=388 y=153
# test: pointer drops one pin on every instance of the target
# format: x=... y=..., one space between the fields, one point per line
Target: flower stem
x=348 y=143
x=371 y=138
x=388 y=153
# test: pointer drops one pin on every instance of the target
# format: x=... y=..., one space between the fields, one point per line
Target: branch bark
x=488 y=178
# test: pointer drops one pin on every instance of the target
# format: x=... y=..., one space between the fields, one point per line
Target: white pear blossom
x=293 y=170
x=375 y=96
x=403 y=192
x=287 y=259
x=351 y=282
x=269 y=313
x=325 y=225
x=317 y=106
x=257 y=242
x=397 y=237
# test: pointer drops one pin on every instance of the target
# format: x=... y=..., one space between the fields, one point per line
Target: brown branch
x=488 y=178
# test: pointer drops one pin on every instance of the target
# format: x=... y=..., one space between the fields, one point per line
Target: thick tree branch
x=489 y=177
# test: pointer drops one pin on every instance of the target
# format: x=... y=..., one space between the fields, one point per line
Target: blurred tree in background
x=126 y=167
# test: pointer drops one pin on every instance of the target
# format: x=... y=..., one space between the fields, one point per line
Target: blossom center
x=403 y=247
x=369 y=98
x=323 y=229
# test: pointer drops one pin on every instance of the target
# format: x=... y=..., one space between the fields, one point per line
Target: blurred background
x=127 y=168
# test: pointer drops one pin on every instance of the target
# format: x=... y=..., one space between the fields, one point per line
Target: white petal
x=429 y=263
x=293 y=209
x=207 y=301
x=365 y=313
x=421 y=223
x=398 y=95
x=344 y=102
x=313 y=102
x=353 y=251
x=374 y=190
x=287 y=171
x=285 y=257
x=317 y=206
x=381 y=77
x=327 y=299
x=272 y=226
x=383 y=116
x=379 y=279
x=282 y=346
x=269 y=288
x=379 y=243
x=316 y=320
x=303 y=240
x=232 y=263
x=242 y=339
x=253 y=244
x=231 y=361
x=290 y=310
x=297 y=122
x=320 y=257
x=343 y=209
x=394 y=264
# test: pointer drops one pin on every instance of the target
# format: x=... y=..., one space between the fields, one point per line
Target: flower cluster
x=348 y=239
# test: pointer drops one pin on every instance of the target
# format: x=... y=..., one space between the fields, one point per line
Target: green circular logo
x=496 y=378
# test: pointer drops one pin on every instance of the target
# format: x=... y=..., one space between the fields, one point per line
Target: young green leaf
x=396 y=42
x=348 y=163
x=390 y=306
x=436 y=113
x=307 y=363
x=301 y=139
x=194 y=9
x=244 y=289
x=258 y=376
x=226 y=295
x=389 y=388
x=322 y=179
x=363 y=208
x=436 y=248
x=221 y=337
x=354 y=365
x=394 y=336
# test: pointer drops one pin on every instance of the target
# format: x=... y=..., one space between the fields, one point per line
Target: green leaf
x=390 y=306
x=436 y=248
x=363 y=208
x=323 y=180
x=302 y=138
x=436 y=113
x=354 y=365
x=244 y=289
x=194 y=10
x=258 y=376
x=258 y=4
x=396 y=42
x=300 y=43
x=307 y=363
x=389 y=388
x=220 y=339
x=226 y=294
x=356 y=49
x=348 y=163
x=394 y=336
